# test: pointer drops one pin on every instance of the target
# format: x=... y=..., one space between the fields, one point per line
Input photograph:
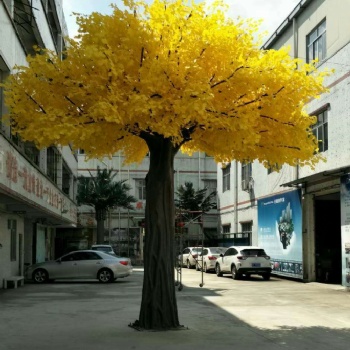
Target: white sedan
x=81 y=264
x=207 y=259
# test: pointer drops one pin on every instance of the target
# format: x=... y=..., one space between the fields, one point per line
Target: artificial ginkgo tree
x=156 y=78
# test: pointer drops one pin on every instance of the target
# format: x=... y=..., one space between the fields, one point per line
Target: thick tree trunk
x=100 y=235
x=100 y=220
x=158 y=306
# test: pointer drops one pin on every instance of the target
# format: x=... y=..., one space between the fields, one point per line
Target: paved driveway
x=223 y=314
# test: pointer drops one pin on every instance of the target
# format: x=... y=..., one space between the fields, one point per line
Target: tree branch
x=81 y=111
x=276 y=120
x=142 y=57
x=166 y=74
x=221 y=113
x=252 y=101
x=228 y=78
x=37 y=103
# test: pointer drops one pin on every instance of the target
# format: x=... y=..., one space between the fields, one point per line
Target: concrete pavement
x=224 y=314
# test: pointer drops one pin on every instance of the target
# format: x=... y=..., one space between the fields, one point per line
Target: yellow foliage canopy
x=185 y=72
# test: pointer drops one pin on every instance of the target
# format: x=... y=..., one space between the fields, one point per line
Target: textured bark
x=158 y=306
x=100 y=234
x=100 y=219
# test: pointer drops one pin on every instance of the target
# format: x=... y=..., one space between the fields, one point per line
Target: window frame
x=320 y=37
x=12 y=227
x=226 y=178
x=246 y=174
x=140 y=187
x=245 y=225
x=322 y=140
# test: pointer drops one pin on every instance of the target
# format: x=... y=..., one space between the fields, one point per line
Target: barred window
x=226 y=228
x=247 y=227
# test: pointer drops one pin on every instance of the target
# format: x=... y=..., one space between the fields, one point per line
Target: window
x=316 y=43
x=226 y=229
x=9 y=4
x=66 y=178
x=247 y=227
x=320 y=130
x=246 y=175
x=140 y=188
x=210 y=185
x=226 y=178
x=253 y=252
x=52 y=163
x=31 y=152
x=12 y=226
x=231 y=251
x=52 y=19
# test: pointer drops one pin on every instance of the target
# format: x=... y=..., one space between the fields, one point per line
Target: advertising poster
x=280 y=232
x=345 y=228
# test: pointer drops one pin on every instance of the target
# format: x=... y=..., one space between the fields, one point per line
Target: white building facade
x=299 y=215
x=37 y=187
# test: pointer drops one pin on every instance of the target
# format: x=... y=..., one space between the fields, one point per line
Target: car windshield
x=218 y=250
x=197 y=250
x=253 y=252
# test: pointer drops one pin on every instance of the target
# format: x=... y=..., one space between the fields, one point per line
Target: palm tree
x=192 y=203
x=191 y=200
x=103 y=193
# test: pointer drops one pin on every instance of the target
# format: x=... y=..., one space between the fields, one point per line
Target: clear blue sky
x=273 y=12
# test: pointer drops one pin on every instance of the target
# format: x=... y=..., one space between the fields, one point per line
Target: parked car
x=244 y=261
x=207 y=259
x=82 y=264
x=106 y=248
x=189 y=256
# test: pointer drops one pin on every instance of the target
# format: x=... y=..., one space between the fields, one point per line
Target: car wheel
x=218 y=271
x=266 y=276
x=40 y=276
x=235 y=274
x=105 y=276
x=188 y=264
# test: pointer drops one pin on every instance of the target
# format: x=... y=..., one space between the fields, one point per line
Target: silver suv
x=246 y=261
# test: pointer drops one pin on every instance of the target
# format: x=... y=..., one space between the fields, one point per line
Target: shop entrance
x=328 y=239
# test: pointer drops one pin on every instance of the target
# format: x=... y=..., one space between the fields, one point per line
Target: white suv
x=244 y=261
x=106 y=248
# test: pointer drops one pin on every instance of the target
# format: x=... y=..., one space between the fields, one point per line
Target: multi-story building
x=124 y=228
x=302 y=216
x=37 y=187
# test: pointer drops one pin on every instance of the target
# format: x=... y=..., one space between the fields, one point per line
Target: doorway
x=328 y=239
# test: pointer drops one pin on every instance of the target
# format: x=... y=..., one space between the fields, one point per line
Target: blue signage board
x=345 y=228
x=280 y=232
